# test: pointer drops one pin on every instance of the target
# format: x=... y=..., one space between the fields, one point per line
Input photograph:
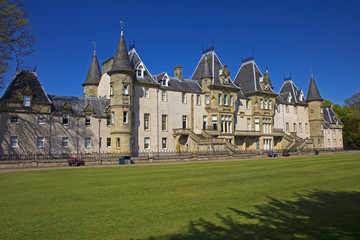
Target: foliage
x=15 y=34
x=277 y=198
x=349 y=115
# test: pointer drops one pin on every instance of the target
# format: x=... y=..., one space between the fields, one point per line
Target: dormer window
x=289 y=98
x=165 y=81
x=26 y=101
x=140 y=71
x=226 y=81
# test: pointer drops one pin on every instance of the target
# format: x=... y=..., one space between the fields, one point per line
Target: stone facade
x=125 y=108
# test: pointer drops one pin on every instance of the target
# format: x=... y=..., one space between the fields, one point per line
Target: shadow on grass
x=314 y=215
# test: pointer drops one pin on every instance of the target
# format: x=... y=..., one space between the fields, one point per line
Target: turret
x=206 y=75
x=121 y=93
x=92 y=78
x=315 y=114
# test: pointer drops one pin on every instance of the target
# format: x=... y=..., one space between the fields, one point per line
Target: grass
x=315 y=197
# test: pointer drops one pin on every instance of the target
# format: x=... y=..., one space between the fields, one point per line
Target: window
x=231 y=100
x=249 y=124
x=13 y=142
x=118 y=143
x=270 y=104
x=257 y=124
x=113 y=117
x=126 y=89
x=204 y=122
x=198 y=100
x=146 y=121
x=319 y=142
x=225 y=99
x=184 y=117
x=300 y=127
x=183 y=97
x=108 y=142
x=147 y=94
x=100 y=140
x=164 y=96
x=294 y=127
x=306 y=127
x=226 y=124
x=40 y=142
x=26 y=101
x=87 y=120
x=65 y=142
x=267 y=125
x=146 y=143
x=140 y=71
x=164 y=143
x=266 y=104
x=214 y=122
x=258 y=144
x=261 y=104
x=247 y=104
x=111 y=90
x=207 y=99
x=41 y=120
x=125 y=117
x=287 y=127
x=14 y=119
x=164 y=122
x=278 y=108
x=65 y=119
x=87 y=142
x=220 y=99
x=108 y=120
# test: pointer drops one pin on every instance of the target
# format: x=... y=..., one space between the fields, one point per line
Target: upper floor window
x=165 y=81
x=257 y=124
x=198 y=99
x=164 y=122
x=108 y=120
x=87 y=120
x=231 y=100
x=225 y=99
x=266 y=104
x=125 y=117
x=126 y=89
x=164 y=96
x=220 y=99
x=207 y=99
x=113 y=117
x=111 y=90
x=247 y=104
x=261 y=104
x=249 y=124
x=65 y=119
x=183 y=97
x=26 y=101
x=140 y=71
x=146 y=121
x=270 y=104
x=147 y=95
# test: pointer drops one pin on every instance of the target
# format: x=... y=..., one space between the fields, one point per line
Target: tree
x=15 y=35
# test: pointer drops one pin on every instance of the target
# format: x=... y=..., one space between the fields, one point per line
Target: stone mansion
x=126 y=108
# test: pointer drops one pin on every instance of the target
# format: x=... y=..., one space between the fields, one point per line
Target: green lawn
x=315 y=197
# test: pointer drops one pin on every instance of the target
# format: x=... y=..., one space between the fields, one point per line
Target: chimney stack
x=178 y=72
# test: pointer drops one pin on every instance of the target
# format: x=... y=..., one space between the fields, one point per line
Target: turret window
x=125 y=117
x=126 y=89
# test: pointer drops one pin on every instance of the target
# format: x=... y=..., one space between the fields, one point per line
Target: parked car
x=76 y=162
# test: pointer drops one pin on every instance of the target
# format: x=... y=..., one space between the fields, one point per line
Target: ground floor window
x=214 y=122
x=257 y=144
x=40 y=142
x=184 y=121
x=65 y=142
x=87 y=142
x=117 y=143
x=164 y=143
x=267 y=144
x=108 y=142
x=146 y=143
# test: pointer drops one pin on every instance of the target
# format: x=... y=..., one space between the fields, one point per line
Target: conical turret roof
x=121 y=60
x=94 y=74
x=313 y=92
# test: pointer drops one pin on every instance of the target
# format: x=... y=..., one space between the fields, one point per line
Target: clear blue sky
x=286 y=36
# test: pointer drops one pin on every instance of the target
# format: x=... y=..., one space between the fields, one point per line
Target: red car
x=75 y=162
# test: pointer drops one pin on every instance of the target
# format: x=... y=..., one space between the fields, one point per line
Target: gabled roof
x=79 y=105
x=184 y=85
x=135 y=61
x=248 y=77
x=313 y=92
x=94 y=74
x=121 y=60
x=25 y=80
x=289 y=87
x=330 y=116
x=210 y=66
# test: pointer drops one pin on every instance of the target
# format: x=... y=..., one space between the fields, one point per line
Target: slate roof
x=313 y=92
x=121 y=60
x=21 y=81
x=289 y=87
x=78 y=104
x=248 y=77
x=184 y=85
x=135 y=61
x=94 y=74
x=214 y=70
x=330 y=116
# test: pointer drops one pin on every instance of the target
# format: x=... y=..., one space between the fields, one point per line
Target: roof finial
x=94 y=47
x=122 y=27
x=312 y=75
